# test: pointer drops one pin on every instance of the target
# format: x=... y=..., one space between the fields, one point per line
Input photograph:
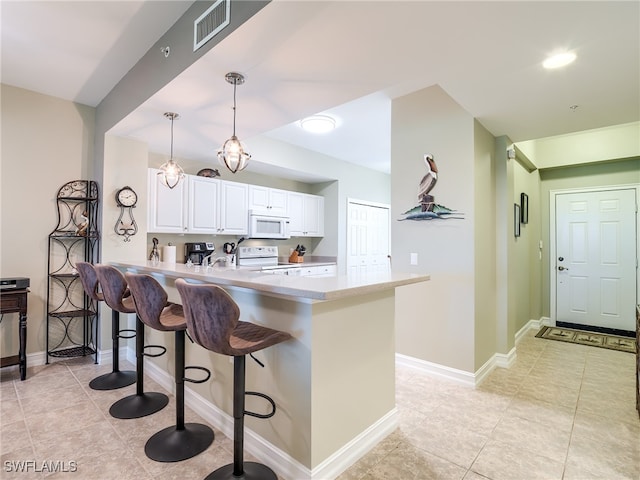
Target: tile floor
x=561 y=412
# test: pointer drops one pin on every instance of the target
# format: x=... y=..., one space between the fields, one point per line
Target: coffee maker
x=197 y=251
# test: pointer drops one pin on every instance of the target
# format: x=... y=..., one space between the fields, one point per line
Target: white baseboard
x=547 y=321
x=356 y=448
x=430 y=368
x=503 y=360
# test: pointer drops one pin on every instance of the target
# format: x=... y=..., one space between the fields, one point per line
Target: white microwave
x=265 y=225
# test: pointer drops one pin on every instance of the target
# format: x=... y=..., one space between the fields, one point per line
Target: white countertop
x=313 y=288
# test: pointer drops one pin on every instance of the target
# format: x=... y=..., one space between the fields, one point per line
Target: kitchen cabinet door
x=296 y=214
x=313 y=216
x=203 y=205
x=271 y=200
x=234 y=214
x=306 y=215
x=166 y=207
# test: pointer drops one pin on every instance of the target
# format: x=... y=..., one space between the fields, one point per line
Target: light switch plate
x=414 y=259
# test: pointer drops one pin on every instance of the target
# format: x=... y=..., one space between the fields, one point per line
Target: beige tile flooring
x=561 y=412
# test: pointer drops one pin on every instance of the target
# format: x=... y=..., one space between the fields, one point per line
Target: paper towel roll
x=169 y=254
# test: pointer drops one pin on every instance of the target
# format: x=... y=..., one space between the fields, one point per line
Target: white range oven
x=266 y=260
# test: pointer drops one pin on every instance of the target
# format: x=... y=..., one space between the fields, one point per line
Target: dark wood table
x=15 y=301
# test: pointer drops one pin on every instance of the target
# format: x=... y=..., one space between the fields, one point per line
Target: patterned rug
x=594 y=339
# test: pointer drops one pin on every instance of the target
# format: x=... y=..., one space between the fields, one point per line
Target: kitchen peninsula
x=333 y=383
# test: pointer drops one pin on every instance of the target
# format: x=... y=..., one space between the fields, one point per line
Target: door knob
x=561 y=268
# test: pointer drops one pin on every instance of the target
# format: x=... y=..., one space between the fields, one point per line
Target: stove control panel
x=258 y=252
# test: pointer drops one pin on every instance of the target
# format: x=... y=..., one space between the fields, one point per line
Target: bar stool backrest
x=114 y=289
x=211 y=314
x=150 y=299
x=89 y=280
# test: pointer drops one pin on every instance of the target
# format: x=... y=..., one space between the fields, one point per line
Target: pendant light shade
x=232 y=153
x=171 y=173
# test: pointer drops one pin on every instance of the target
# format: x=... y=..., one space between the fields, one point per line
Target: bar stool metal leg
x=184 y=440
x=116 y=378
x=142 y=403
x=240 y=469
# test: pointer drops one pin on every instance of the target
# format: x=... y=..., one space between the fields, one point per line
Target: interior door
x=367 y=238
x=596 y=258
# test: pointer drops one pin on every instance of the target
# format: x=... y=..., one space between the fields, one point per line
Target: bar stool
x=117 y=296
x=184 y=440
x=212 y=319
x=116 y=378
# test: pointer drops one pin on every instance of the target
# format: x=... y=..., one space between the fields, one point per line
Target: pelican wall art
x=428 y=209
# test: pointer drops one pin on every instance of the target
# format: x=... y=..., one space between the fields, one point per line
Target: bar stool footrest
x=154 y=355
x=252 y=471
x=132 y=333
x=202 y=369
x=267 y=398
x=173 y=445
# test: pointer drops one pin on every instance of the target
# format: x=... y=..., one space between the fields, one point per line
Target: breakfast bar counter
x=310 y=288
x=333 y=382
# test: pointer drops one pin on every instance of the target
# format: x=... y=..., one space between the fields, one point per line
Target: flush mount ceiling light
x=232 y=153
x=559 y=60
x=171 y=173
x=318 y=124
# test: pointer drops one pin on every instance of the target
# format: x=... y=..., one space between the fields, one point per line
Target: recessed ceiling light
x=318 y=124
x=559 y=60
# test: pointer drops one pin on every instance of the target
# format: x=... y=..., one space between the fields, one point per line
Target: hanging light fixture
x=170 y=171
x=232 y=153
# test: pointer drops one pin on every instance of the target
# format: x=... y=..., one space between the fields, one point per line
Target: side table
x=15 y=301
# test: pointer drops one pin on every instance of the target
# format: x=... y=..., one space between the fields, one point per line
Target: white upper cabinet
x=167 y=207
x=218 y=207
x=234 y=215
x=203 y=205
x=306 y=215
x=267 y=199
x=198 y=205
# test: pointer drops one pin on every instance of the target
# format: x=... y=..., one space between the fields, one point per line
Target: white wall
x=46 y=142
x=485 y=284
x=597 y=145
x=435 y=320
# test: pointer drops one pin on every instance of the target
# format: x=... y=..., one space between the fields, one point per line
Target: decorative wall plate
x=208 y=172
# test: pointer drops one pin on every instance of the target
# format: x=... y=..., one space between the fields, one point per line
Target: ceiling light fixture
x=171 y=172
x=559 y=60
x=232 y=154
x=318 y=124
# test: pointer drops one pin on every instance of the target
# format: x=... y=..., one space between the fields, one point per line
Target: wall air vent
x=211 y=22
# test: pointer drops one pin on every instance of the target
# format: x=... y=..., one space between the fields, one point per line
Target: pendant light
x=171 y=173
x=232 y=153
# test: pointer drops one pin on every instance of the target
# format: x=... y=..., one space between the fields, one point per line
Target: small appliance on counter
x=197 y=251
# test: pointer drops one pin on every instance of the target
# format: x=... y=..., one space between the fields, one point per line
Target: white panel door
x=596 y=258
x=367 y=238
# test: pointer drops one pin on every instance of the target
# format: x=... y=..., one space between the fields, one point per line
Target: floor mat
x=594 y=339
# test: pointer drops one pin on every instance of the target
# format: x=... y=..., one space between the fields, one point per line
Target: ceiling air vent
x=211 y=22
